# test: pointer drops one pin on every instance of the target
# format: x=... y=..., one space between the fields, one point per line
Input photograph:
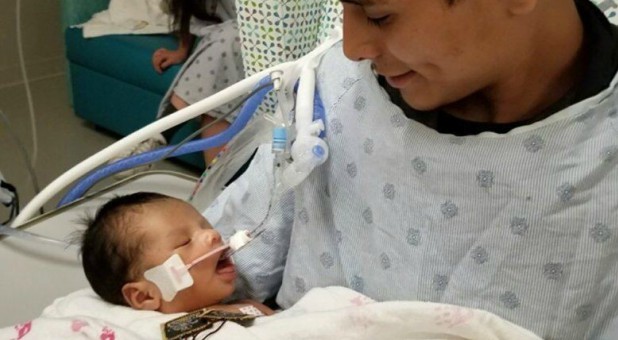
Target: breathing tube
x=173 y=275
x=245 y=114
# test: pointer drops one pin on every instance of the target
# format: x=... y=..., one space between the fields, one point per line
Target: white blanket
x=324 y=313
x=128 y=17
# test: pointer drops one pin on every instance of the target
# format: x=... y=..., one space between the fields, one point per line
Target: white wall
x=42 y=40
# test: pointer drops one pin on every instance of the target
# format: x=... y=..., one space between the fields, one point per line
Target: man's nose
x=359 y=41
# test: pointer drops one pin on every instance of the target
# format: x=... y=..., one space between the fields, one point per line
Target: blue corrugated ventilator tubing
x=247 y=111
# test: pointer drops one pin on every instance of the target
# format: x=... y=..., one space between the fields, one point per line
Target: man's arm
x=244 y=205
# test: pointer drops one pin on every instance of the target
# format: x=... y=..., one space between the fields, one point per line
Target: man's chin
x=420 y=102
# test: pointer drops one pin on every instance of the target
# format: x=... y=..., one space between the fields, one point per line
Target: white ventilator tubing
x=291 y=72
x=91 y=163
x=308 y=150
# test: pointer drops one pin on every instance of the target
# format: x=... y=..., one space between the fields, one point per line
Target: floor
x=64 y=140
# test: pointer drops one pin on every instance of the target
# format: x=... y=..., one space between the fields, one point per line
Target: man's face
x=173 y=226
x=434 y=53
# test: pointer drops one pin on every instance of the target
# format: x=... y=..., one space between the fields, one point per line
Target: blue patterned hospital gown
x=523 y=224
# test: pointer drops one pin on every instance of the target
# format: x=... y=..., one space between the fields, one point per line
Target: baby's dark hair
x=110 y=247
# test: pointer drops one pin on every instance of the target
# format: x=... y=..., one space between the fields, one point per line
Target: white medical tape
x=170 y=277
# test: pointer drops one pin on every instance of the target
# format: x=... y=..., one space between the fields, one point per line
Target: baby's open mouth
x=225 y=264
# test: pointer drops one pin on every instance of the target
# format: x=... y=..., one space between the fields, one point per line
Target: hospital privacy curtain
x=276 y=31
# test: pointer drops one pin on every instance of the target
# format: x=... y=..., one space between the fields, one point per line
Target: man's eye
x=378 y=21
x=184 y=243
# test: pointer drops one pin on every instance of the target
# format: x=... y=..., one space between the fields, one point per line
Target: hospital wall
x=41 y=39
x=31 y=275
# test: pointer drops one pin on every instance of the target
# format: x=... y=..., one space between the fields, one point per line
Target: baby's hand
x=164 y=58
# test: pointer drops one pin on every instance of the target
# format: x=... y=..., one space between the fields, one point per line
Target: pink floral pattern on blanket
x=108 y=334
x=452 y=316
x=23 y=329
x=361 y=300
x=62 y=328
x=77 y=325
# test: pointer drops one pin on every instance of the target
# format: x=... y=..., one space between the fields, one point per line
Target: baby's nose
x=211 y=237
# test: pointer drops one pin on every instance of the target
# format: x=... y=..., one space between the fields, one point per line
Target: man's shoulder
x=334 y=60
x=336 y=74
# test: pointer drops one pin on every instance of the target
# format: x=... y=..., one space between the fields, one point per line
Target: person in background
x=209 y=49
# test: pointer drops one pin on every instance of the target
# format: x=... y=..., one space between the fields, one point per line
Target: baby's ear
x=142 y=295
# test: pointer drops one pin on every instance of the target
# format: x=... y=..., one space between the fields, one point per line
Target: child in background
x=214 y=64
x=131 y=234
x=182 y=11
x=211 y=66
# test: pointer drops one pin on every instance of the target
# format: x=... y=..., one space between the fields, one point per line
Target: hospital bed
x=47 y=271
x=35 y=273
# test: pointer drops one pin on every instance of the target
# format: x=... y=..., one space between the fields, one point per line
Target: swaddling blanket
x=145 y=17
x=324 y=313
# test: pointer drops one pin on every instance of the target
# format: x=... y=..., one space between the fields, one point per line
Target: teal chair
x=112 y=81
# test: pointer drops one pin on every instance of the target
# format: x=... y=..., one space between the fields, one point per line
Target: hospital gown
x=523 y=224
x=214 y=64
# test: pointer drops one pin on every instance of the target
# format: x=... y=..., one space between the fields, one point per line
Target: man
x=479 y=168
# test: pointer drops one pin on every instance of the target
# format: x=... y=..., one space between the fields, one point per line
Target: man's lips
x=401 y=80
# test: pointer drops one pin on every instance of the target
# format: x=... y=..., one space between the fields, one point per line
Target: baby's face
x=173 y=226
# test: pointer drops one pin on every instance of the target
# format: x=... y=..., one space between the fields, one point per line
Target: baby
x=134 y=233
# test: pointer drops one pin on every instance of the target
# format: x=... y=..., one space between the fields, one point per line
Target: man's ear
x=142 y=295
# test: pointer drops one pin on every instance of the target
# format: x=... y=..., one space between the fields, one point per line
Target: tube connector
x=308 y=152
x=7 y=192
x=276 y=77
x=239 y=240
x=280 y=140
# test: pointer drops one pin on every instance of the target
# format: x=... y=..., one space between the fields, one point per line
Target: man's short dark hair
x=110 y=248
